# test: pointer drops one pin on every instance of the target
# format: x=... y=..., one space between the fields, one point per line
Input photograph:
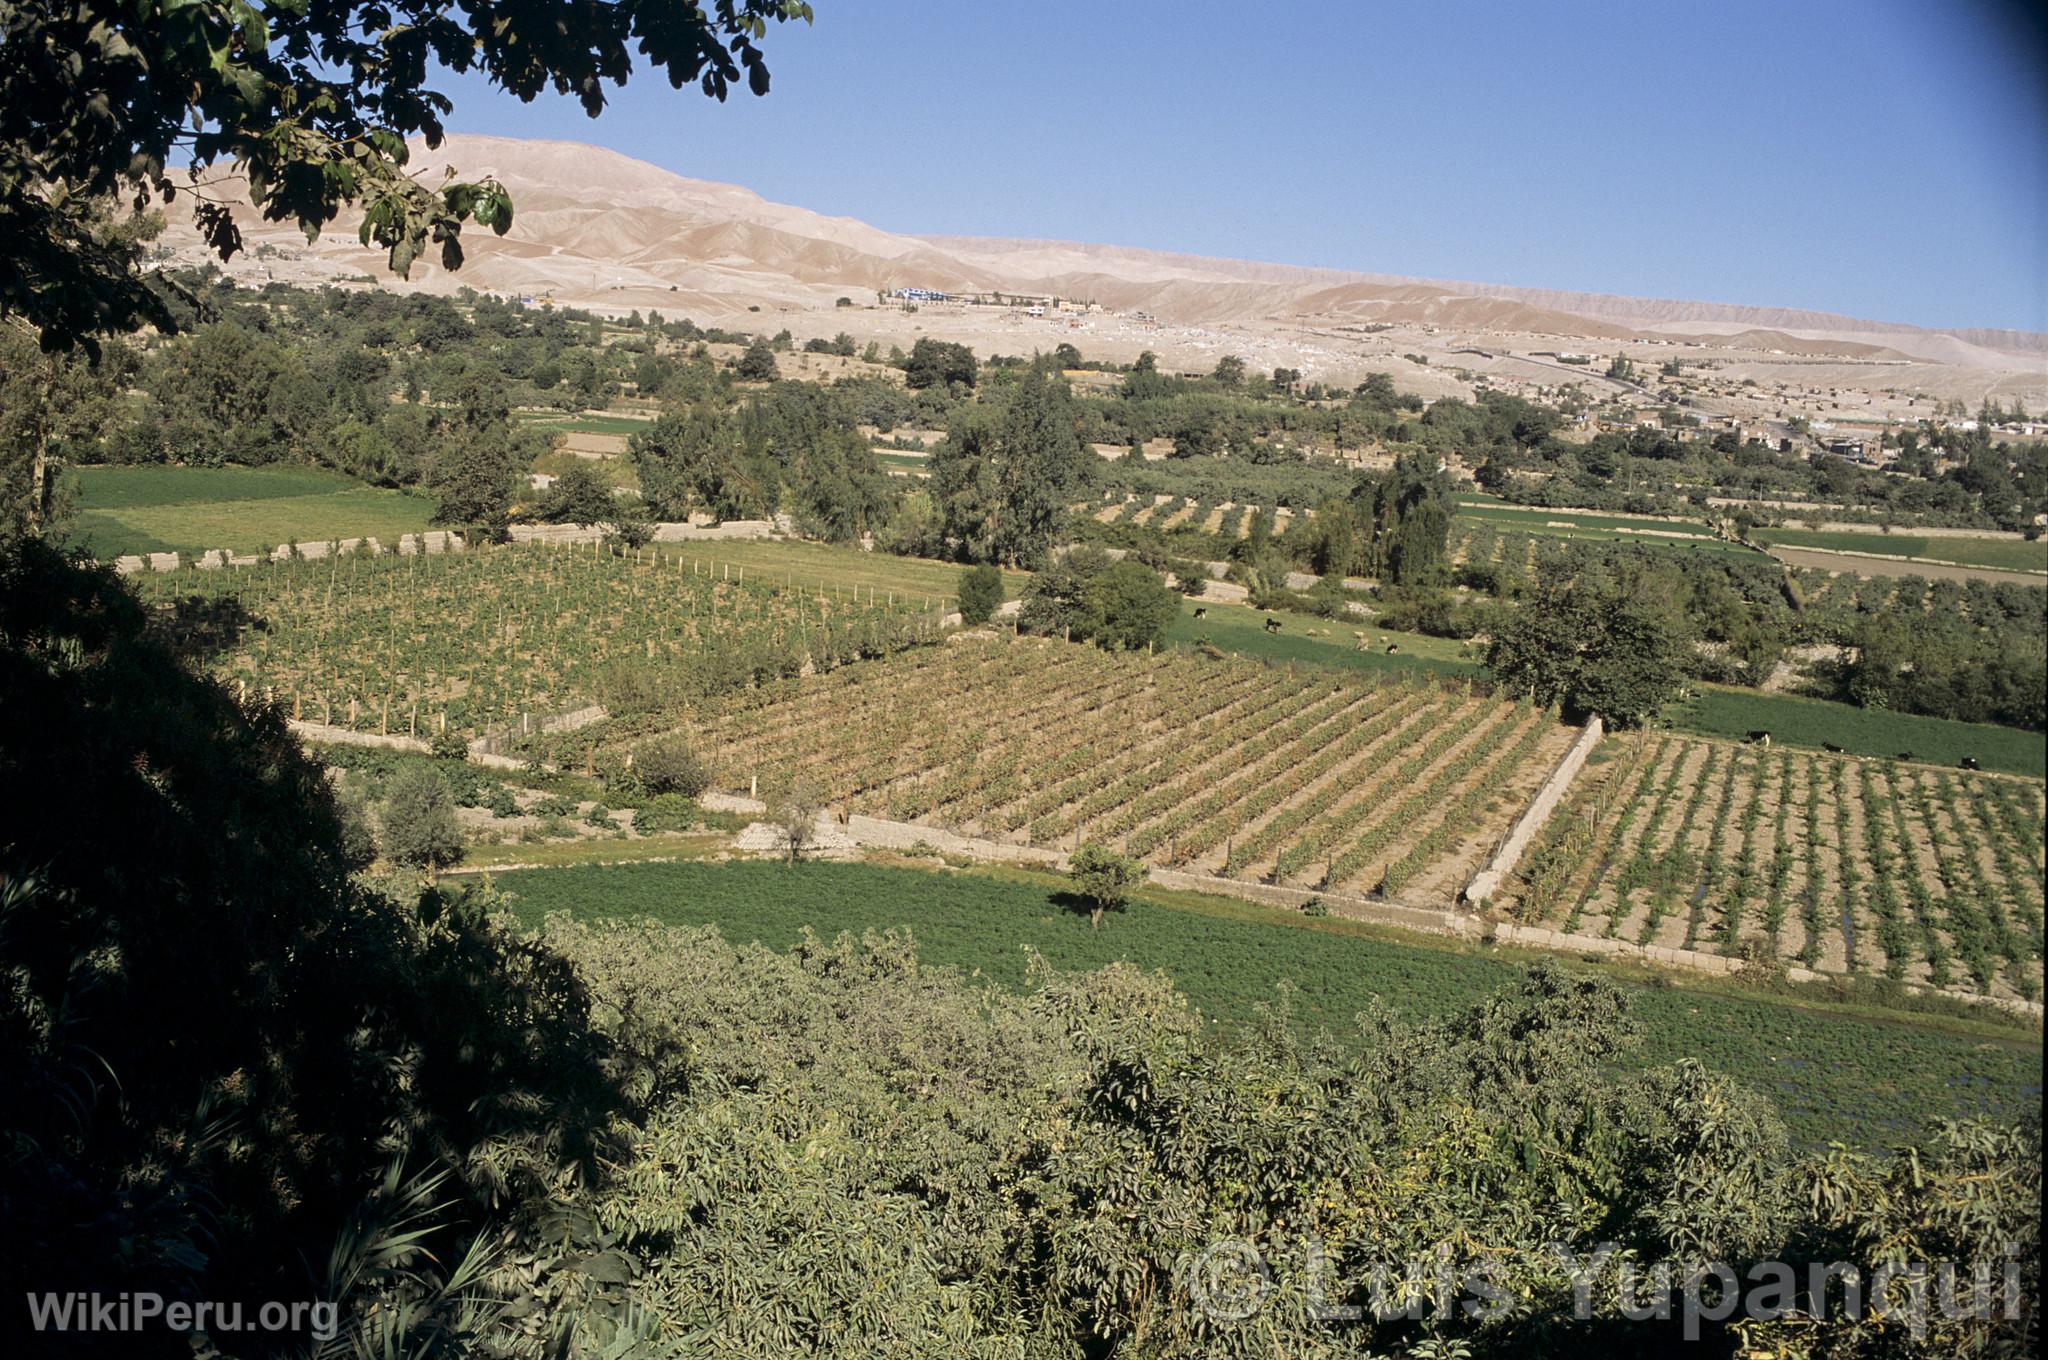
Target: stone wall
x=887 y=835
x=435 y=541
x=1488 y=880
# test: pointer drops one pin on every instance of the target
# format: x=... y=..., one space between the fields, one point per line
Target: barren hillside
x=595 y=228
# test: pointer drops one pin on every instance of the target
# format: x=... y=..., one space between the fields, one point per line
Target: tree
x=1103 y=880
x=1406 y=515
x=1127 y=607
x=1591 y=648
x=981 y=590
x=183 y=935
x=1004 y=480
x=420 y=828
x=758 y=363
x=698 y=459
x=794 y=806
x=50 y=404
x=579 y=496
x=1055 y=599
x=1229 y=371
x=475 y=474
x=312 y=104
x=939 y=363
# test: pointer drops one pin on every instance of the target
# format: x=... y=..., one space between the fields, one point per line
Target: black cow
x=1393 y=647
x=1905 y=755
x=1201 y=611
x=1272 y=625
x=1760 y=737
x=1830 y=746
x=1970 y=762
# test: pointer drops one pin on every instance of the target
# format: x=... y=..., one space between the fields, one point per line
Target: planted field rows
x=478 y=638
x=1311 y=778
x=1841 y=864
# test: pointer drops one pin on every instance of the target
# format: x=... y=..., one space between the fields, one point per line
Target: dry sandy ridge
x=600 y=230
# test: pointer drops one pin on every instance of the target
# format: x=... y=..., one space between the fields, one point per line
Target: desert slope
x=595 y=228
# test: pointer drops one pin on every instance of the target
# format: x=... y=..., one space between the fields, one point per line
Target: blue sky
x=1878 y=158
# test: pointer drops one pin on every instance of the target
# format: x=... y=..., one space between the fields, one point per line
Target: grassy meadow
x=1719 y=711
x=1834 y=1072
x=2002 y=554
x=191 y=510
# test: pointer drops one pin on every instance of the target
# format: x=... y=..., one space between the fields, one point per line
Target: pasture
x=1720 y=711
x=1833 y=1074
x=189 y=510
x=1310 y=777
x=1996 y=553
x=1911 y=872
x=1347 y=642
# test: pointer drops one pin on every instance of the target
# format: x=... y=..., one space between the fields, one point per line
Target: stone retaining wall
x=435 y=541
x=1488 y=880
x=887 y=835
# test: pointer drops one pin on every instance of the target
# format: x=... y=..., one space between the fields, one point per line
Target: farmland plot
x=1306 y=777
x=1841 y=864
x=478 y=638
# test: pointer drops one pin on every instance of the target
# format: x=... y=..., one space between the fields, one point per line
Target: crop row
x=1217 y=764
x=1828 y=861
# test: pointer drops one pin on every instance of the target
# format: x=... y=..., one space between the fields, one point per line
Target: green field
x=802 y=563
x=582 y=424
x=190 y=510
x=1587 y=524
x=1721 y=712
x=1835 y=1075
x=1237 y=628
x=2002 y=554
x=611 y=471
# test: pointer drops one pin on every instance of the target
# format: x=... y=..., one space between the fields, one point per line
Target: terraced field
x=1304 y=776
x=1841 y=864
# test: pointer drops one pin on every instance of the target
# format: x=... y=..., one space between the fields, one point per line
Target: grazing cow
x=1272 y=625
x=1970 y=762
x=1830 y=746
x=1393 y=647
x=1905 y=755
x=1760 y=737
x=1201 y=611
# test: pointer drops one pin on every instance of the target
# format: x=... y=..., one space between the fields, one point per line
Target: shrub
x=668 y=765
x=1102 y=879
x=665 y=812
x=981 y=591
x=420 y=829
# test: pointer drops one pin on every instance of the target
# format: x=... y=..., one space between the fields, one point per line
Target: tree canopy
x=1593 y=648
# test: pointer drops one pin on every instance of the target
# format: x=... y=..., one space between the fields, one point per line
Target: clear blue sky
x=1884 y=159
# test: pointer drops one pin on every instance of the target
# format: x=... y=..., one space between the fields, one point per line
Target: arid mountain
x=595 y=228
